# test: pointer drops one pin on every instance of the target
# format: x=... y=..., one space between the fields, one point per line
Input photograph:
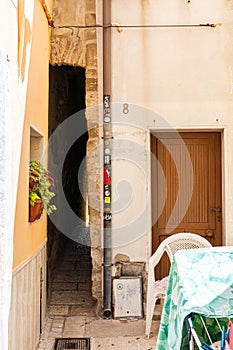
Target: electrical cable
x=116 y=25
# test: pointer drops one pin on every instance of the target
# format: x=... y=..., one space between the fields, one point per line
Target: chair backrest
x=177 y=242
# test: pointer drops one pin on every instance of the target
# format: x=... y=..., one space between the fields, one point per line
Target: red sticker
x=107 y=178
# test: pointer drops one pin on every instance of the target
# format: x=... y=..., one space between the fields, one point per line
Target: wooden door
x=186 y=187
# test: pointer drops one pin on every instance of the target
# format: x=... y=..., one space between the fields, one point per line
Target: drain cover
x=72 y=343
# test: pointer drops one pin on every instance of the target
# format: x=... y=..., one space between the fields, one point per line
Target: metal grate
x=72 y=343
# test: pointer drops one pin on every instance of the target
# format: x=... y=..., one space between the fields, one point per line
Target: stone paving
x=72 y=312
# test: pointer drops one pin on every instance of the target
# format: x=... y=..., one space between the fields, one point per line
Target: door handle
x=209 y=233
x=217 y=210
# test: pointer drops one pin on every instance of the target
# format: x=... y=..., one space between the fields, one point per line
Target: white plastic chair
x=157 y=289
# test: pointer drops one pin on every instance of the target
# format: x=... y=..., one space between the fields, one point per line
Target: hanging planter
x=40 y=194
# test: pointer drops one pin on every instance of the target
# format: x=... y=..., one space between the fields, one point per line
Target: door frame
x=222 y=132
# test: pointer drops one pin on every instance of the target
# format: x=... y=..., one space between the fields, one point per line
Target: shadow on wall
x=66 y=97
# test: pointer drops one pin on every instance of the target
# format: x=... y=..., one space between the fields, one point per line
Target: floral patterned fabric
x=200 y=281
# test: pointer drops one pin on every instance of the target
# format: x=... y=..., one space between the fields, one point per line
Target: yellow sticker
x=107 y=199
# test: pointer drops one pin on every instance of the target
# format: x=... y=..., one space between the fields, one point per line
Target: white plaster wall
x=13 y=98
x=183 y=74
x=8 y=48
x=8 y=174
x=8 y=16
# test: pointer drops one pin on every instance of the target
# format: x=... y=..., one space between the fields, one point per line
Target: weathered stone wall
x=78 y=47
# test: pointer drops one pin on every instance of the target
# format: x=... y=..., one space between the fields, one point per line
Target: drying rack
x=217 y=337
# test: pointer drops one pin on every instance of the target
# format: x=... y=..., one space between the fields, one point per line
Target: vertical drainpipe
x=107 y=137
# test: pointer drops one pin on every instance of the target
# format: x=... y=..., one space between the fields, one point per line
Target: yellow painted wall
x=28 y=238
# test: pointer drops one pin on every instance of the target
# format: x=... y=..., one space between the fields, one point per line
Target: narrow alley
x=72 y=313
x=117 y=127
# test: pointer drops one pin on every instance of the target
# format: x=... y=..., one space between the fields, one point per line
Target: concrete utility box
x=127 y=297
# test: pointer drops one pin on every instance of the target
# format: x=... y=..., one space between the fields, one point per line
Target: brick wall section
x=78 y=47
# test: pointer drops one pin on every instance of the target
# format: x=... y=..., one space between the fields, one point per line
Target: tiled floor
x=72 y=312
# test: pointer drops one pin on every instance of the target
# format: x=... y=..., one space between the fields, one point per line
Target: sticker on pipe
x=107 y=216
x=107 y=193
x=106 y=101
x=107 y=160
x=107 y=178
x=107 y=119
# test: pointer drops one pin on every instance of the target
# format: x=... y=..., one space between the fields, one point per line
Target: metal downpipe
x=107 y=136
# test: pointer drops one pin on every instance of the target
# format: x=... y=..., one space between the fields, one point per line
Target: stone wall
x=78 y=47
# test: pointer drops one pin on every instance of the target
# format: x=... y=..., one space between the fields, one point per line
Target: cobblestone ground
x=72 y=312
x=71 y=287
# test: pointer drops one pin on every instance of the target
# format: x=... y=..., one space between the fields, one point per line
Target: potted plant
x=40 y=194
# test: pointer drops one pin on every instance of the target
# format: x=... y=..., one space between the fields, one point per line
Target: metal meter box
x=127 y=297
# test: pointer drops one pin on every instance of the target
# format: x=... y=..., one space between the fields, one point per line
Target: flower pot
x=35 y=211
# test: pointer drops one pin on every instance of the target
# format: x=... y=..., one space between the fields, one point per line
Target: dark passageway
x=69 y=263
x=70 y=289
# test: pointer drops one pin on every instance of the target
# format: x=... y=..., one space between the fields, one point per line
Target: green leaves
x=33 y=197
x=40 y=185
